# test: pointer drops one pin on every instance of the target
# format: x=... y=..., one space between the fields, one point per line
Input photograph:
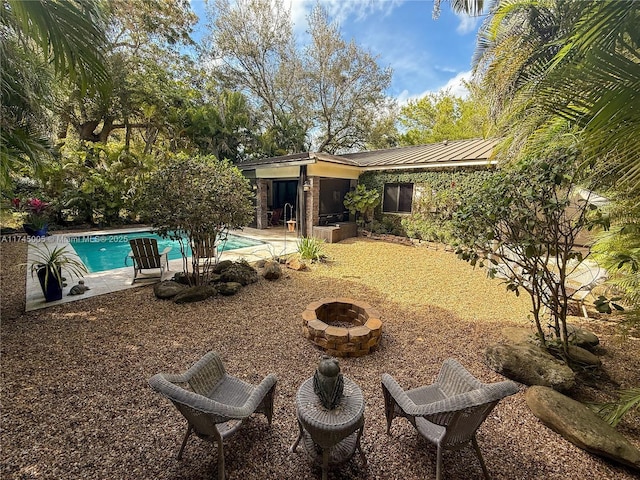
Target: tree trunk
x=85 y=130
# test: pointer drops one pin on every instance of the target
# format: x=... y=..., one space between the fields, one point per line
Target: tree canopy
x=443 y=116
x=321 y=96
x=42 y=39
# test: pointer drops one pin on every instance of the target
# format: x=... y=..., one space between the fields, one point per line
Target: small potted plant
x=35 y=222
x=48 y=263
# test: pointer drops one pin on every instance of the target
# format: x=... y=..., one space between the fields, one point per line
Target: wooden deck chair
x=275 y=217
x=206 y=250
x=144 y=252
x=582 y=280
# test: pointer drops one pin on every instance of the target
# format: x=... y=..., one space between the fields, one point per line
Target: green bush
x=361 y=202
x=311 y=248
x=198 y=198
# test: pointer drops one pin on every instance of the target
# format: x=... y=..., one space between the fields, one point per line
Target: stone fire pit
x=342 y=327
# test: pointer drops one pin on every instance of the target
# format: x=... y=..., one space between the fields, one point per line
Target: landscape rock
x=581 y=426
x=214 y=278
x=529 y=364
x=239 y=272
x=228 y=288
x=583 y=357
x=296 y=264
x=183 y=278
x=195 y=294
x=167 y=289
x=517 y=334
x=272 y=270
x=581 y=337
x=222 y=266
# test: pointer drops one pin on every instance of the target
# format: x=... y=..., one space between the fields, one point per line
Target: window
x=397 y=197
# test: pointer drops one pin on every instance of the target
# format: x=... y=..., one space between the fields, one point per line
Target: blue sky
x=426 y=55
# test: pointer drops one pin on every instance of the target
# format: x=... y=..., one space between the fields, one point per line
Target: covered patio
x=308 y=188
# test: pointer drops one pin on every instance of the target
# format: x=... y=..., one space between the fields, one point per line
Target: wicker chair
x=216 y=404
x=449 y=411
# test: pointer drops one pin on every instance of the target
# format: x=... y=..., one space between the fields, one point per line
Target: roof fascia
x=297 y=163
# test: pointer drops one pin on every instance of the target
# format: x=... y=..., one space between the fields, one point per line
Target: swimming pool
x=108 y=252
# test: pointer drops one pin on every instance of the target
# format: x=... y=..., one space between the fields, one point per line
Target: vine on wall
x=437 y=194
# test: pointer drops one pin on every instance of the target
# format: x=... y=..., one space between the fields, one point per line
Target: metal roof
x=441 y=154
x=453 y=151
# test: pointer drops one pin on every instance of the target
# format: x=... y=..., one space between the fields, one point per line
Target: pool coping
x=277 y=242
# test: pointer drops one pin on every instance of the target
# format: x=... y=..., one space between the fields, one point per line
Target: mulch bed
x=76 y=403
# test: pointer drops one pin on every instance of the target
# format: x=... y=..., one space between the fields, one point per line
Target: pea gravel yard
x=76 y=403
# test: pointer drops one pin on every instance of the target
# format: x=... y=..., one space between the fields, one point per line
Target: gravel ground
x=76 y=403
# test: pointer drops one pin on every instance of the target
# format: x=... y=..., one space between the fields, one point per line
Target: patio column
x=262 y=220
x=313 y=205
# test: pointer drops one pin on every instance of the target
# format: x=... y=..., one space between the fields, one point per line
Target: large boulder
x=167 y=289
x=195 y=294
x=529 y=364
x=581 y=337
x=222 y=266
x=272 y=270
x=583 y=357
x=241 y=273
x=228 y=288
x=184 y=278
x=581 y=426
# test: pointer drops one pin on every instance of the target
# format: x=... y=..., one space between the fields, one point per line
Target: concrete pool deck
x=277 y=242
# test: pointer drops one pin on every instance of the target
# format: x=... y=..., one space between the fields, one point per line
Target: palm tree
x=68 y=35
x=470 y=7
x=567 y=66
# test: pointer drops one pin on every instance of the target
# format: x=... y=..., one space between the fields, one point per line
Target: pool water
x=107 y=252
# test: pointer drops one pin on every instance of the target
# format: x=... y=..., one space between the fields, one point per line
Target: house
x=310 y=187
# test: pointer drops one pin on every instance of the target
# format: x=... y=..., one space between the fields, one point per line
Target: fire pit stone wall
x=342 y=327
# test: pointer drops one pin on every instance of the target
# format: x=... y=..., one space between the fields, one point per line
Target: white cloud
x=467 y=24
x=454 y=86
x=299 y=11
x=339 y=10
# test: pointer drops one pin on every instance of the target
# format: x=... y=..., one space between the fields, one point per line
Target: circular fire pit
x=342 y=327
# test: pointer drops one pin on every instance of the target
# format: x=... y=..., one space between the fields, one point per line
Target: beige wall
x=333 y=171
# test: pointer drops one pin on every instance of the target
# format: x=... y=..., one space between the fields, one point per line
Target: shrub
x=199 y=199
x=362 y=202
x=311 y=248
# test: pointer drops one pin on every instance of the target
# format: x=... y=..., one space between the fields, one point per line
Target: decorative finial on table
x=328 y=383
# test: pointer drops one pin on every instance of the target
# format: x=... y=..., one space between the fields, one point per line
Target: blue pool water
x=106 y=252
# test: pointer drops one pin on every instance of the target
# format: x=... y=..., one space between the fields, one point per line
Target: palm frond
x=613 y=412
x=70 y=32
x=578 y=61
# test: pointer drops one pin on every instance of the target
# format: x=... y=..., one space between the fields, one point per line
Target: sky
x=426 y=55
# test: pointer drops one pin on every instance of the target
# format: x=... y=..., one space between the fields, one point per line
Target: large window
x=397 y=197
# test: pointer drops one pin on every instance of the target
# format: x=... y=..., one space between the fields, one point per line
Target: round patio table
x=330 y=437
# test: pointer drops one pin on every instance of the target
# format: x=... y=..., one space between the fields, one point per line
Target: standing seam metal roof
x=451 y=151
x=475 y=150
